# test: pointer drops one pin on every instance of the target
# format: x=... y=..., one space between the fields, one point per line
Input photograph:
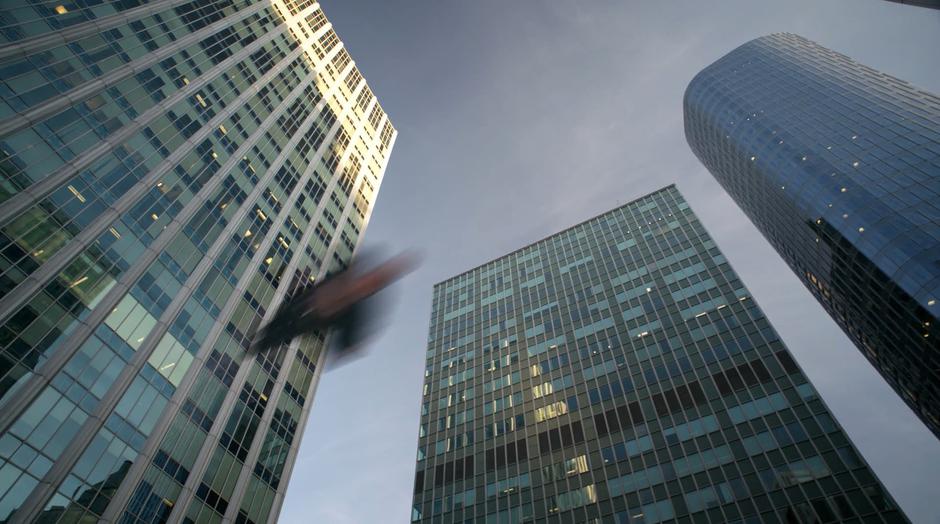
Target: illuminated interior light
x=649 y=289
x=722 y=306
x=753 y=158
x=79 y=281
x=77 y=194
x=215 y=155
x=843 y=190
x=702 y=314
x=819 y=221
x=264 y=397
x=261 y=214
x=60 y=9
x=201 y=100
x=154 y=216
x=222 y=129
x=861 y=230
x=269 y=260
x=185 y=81
x=855 y=164
x=159 y=184
x=804 y=158
x=283 y=242
x=39 y=253
x=854 y=137
x=247 y=232
x=931 y=302
x=845 y=215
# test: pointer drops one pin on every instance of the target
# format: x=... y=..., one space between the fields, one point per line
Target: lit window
x=753 y=158
x=843 y=190
x=804 y=159
x=78 y=195
x=861 y=230
x=60 y=9
x=247 y=232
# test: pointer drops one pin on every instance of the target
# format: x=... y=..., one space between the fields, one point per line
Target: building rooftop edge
x=581 y=223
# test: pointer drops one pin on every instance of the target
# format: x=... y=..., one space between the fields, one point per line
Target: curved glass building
x=838 y=165
x=170 y=171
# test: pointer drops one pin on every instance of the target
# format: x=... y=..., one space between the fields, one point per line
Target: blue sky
x=519 y=118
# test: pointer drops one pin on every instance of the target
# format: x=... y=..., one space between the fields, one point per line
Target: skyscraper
x=838 y=165
x=619 y=371
x=170 y=172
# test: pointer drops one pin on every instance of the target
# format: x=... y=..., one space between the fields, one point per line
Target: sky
x=520 y=118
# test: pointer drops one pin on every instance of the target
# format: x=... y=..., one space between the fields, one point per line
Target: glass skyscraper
x=619 y=371
x=171 y=171
x=838 y=165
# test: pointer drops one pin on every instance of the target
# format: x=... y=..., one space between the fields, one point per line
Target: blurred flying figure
x=337 y=301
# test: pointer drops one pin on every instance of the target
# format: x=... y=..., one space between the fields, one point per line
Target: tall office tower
x=838 y=165
x=619 y=371
x=170 y=172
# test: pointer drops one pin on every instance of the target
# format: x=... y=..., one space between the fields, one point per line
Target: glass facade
x=170 y=172
x=619 y=371
x=838 y=165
